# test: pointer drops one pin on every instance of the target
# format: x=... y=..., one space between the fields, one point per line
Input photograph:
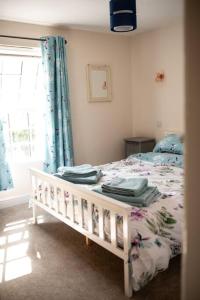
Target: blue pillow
x=162 y=159
x=170 y=144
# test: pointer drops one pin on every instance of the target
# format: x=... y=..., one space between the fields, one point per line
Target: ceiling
x=88 y=14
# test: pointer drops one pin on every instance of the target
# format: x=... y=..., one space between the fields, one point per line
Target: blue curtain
x=58 y=135
x=5 y=175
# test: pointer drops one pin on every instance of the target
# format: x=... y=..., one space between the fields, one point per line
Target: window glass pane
x=21 y=150
x=40 y=78
x=21 y=102
x=18 y=121
x=11 y=83
x=12 y=65
x=29 y=75
x=27 y=100
x=1 y=62
x=30 y=67
x=9 y=100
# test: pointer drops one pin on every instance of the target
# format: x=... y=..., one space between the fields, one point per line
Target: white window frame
x=30 y=53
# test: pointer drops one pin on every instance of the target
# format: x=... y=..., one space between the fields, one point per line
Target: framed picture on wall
x=99 y=83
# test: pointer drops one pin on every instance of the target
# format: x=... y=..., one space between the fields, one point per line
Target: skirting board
x=12 y=201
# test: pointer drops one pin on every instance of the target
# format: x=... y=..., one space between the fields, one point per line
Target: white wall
x=98 y=128
x=158 y=107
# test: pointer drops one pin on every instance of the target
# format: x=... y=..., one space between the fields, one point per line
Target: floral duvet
x=156 y=230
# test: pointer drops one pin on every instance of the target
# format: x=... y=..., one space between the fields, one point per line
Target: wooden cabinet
x=135 y=145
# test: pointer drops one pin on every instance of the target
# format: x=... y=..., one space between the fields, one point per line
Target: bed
x=144 y=238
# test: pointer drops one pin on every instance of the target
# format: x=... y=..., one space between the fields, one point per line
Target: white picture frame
x=99 y=83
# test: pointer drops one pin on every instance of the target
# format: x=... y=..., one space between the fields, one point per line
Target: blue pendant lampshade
x=123 y=15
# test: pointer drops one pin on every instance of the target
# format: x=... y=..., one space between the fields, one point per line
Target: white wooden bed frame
x=57 y=208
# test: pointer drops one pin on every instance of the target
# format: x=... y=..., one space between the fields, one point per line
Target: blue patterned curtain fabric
x=5 y=175
x=58 y=132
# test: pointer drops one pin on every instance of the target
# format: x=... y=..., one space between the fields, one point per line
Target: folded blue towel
x=126 y=186
x=78 y=171
x=81 y=180
x=149 y=196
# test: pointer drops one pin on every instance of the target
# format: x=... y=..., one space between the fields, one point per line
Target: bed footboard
x=78 y=207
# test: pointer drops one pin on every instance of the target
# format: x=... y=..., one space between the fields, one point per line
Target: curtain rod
x=24 y=38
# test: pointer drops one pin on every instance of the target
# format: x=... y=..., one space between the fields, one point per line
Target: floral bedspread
x=155 y=230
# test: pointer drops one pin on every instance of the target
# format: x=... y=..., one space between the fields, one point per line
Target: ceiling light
x=123 y=15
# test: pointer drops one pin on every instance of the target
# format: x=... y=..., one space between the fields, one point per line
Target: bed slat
x=90 y=217
x=52 y=201
x=101 y=223
x=43 y=192
x=62 y=204
x=37 y=188
x=113 y=229
x=56 y=198
x=71 y=208
x=80 y=212
x=48 y=195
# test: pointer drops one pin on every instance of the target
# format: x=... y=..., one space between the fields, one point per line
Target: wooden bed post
x=34 y=213
x=127 y=265
x=88 y=242
x=33 y=190
x=127 y=279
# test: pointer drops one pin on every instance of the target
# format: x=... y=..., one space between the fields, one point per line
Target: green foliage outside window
x=22 y=135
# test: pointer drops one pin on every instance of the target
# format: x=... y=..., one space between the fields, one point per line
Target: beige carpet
x=51 y=261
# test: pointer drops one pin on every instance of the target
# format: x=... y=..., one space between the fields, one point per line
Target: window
x=21 y=105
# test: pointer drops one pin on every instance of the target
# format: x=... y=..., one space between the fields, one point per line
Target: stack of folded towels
x=134 y=191
x=83 y=174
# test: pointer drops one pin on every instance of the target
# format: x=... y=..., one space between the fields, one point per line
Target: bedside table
x=138 y=144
